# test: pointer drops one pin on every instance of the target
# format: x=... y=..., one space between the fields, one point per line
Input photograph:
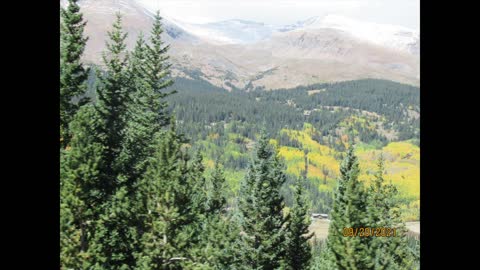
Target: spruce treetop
x=73 y=74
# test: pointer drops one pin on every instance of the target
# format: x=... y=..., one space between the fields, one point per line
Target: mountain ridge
x=268 y=57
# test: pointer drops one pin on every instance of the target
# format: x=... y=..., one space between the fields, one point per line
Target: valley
x=373 y=114
x=380 y=117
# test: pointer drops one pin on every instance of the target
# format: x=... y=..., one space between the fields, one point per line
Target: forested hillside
x=393 y=107
x=379 y=116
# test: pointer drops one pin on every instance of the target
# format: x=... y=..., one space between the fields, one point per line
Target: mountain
x=244 y=32
x=231 y=31
x=391 y=36
x=325 y=54
x=247 y=55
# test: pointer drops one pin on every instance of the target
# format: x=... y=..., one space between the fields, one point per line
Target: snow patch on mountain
x=393 y=36
x=386 y=35
x=229 y=32
x=247 y=32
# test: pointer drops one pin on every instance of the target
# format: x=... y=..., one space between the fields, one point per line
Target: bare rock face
x=265 y=56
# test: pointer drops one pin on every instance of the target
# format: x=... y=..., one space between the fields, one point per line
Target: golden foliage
x=213 y=136
x=402 y=164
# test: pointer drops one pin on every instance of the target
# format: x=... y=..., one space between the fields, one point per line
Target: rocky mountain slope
x=247 y=55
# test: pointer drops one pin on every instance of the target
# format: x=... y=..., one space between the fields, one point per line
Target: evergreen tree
x=349 y=208
x=198 y=183
x=146 y=114
x=217 y=230
x=71 y=253
x=142 y=123
x=137 y=60
x=106 y=211
x=379 y=217
x=80 y=193
x=298 y=250
x=116 y=236
x=158 y=69
x=217 y=248
x=73 y=75
x=262 y=242
x=112 y=105
x=103 y=230
x=216 y=191
x=323 y=258
x=167 y=201
x=200 y=219
x=383 y=212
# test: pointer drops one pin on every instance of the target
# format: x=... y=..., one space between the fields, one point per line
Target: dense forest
x=198 y=102
x=145 y=164
x=200 y=105
x=223 y=124
x=372 y=112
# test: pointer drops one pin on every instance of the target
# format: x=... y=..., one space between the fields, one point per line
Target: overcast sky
x=398 y=12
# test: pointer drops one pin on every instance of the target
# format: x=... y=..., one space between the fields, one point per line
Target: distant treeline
x=199 y=103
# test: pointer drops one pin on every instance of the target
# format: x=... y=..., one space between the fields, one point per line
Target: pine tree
x=142 y=125
x=116 y=236
x=146 y=113
x=73 y=75
x=383 y=212
x=298 y=250
x=157 y=68
x=217 y=246
x=216 y=191
x=167 y=202
x=116 y=227
x=71 y=256
x=262 y=242
x=103 y=228
x=379 y=217
x=198 y=183
x=80 y=192
x=323 y=256
x=217 y=230
x=198 y=207
x=108 y=205
x=113 y=100
x=137 y=60
x=349 y=208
